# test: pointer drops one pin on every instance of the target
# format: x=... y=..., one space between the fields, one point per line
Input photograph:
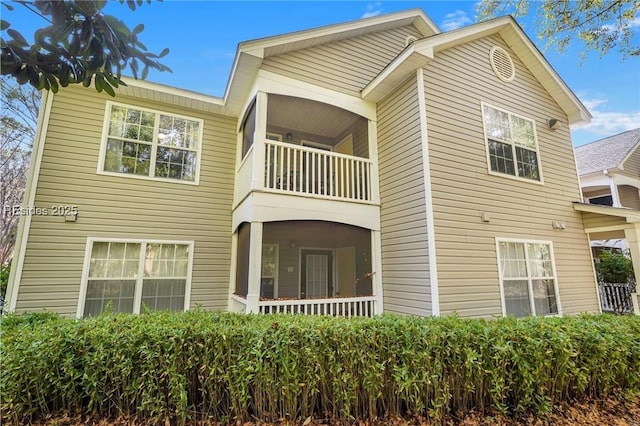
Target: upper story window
x=151 y=144
x=527 y=278
x=512 y=144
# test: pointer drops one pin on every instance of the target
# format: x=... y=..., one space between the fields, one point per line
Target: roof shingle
x=607 y=153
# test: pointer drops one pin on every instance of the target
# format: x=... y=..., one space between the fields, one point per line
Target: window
x=512 y=146
x=130 y=276
x=604 y=200
x=151 y=144
x=248 y=129
x=527 y=278
x=269 y=274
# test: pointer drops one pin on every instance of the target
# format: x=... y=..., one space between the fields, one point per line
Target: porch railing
x=302 y=170
x=616 y=297
x=343 y=307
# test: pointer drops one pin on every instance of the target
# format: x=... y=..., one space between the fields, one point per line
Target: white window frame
x=154 y=145
x=513 y=147
x=138 y=288
x=275 y=277
x=529 y=277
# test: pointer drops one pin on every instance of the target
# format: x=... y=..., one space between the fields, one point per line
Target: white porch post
x=632 y=235
x=232 y=268
x=376 y=249
x=615 y=196
x=259 y=135
x=373 y=156
x=255 y=267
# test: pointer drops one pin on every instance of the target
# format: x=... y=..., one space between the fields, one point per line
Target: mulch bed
x=608 y=412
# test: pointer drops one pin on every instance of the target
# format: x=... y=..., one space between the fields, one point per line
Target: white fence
x=344 y=307
x=303 y=170
x=616 y=297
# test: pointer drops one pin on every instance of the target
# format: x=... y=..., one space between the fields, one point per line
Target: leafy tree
x=601 y=25
x=82 y=44
x=20 y=105
x=614 y=267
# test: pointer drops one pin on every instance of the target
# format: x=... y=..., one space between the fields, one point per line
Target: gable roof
x=608 y=153
x=250 y=53
x=422 y=51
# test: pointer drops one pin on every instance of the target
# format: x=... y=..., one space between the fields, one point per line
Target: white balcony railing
x=308 y=171
x=344 y=307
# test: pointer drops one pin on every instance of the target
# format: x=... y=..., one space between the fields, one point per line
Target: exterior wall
x=594 y=220
x=455 y=84
x=347 y=65
x=124 y=207
x=403 y=221
x=632 y=165
x=292 y=236
x=629 y=196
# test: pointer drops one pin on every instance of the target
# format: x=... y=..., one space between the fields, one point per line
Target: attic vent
x=502 y=64
x=409 y=40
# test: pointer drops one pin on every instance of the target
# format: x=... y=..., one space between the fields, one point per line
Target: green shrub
x=225 y=367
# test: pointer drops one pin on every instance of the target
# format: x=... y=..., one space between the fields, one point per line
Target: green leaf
x=17 y=37
x=4 y=24
x=107 y=88
x=131 y=4
x=164 y=52
x=138 y=29
x=145 y=72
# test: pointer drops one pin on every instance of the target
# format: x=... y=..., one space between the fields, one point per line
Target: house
x=609 y=172
x=373 y=166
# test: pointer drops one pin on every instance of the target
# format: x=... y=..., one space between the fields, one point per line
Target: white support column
x=259 y=135
x=632 y=235
x=614 y=192
x=232 y=268
x=255 y=267
x=373 y=156
x=376 y=266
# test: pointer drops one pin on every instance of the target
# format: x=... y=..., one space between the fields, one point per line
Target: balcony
x=312 y=172
x=306 y=148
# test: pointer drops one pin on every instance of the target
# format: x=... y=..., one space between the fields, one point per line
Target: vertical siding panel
x=122 y=207
x=403 y=221
x=455 y=83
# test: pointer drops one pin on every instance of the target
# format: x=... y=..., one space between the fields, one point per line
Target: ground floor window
x=527 y=278
x=131 y=276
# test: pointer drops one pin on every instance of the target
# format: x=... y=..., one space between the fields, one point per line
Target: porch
x=305 y=267
x=300 y=147
x=603 y=223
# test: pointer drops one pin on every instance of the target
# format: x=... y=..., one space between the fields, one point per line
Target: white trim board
x=29 y=200
x=428 y=198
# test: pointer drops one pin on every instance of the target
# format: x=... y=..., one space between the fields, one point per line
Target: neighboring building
x=372 y=166
x=609 y=171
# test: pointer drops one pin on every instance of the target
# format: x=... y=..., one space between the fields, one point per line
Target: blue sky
x=203 y=36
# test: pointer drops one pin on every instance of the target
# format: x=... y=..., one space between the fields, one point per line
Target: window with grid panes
x=511 y=143
x=151 y=144
x=527 y=277
x=127 y=276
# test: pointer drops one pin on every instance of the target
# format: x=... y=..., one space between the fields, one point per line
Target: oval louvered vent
x=409 y=40
x=502 y=64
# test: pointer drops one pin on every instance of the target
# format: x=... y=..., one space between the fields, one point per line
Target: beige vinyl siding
x=124 y=207
x=345 y=66
x=595 y=220
x=403 y=220
x=632 y=165
x=456 y=83
x=629 y=196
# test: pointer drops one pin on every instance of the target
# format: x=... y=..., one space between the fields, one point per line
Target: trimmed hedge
x=223 y=367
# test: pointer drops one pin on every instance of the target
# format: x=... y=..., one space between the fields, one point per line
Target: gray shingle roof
x=607 y=153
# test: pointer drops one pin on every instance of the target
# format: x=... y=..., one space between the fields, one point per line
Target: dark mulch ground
x=606 y=413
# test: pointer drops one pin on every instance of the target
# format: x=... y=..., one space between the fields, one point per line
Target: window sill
x=517 y=178
x=149 y=178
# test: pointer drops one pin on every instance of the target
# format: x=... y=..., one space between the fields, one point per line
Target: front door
x=316 y=274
